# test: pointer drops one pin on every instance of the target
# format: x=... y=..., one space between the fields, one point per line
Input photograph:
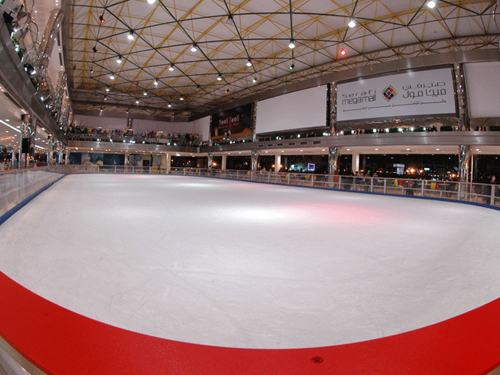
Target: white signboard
x=400 y=95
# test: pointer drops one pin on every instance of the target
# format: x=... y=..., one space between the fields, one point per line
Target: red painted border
x=62 y=342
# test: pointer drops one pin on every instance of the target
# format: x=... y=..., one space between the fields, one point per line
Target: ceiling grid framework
x=158 y=68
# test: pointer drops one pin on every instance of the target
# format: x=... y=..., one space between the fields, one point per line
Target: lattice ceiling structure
x=242 y=47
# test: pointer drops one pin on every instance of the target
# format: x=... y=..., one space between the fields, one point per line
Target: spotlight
x=219 y=77
x=112 y=76
x=145 y=93
x=292 y=44
x=107 y=89
x=254 y=80
x=431 y=4
x=249 y=62
x=226 y=91
x=101 y=19
x=292 y=67
x=181 y=98
x=151 y=1
x=343 y=52
x=137 y=101
x=171 y=67
x=119 y=59
x=351 y=23
x=194 y=48
x=130 y=35
x=156 y=82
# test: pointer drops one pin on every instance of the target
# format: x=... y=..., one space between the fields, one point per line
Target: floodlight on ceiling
x=431 y=4
x=107 y=89
x=137 y=101
x=249 y=62
x=292 y=44
x=101 y=19
x=351 y=23
x=151 y=1
x=119 y=59
x=112 y=76
x=130 y=35
x=194 y=48
x=219 y=77
x=171 y=67
x=145 y=93
x=230 y=20
x=254 y=80
x=181 y=98
x=155 y=82
x=343 y=52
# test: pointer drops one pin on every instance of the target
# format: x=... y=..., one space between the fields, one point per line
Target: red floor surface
x=61 y=342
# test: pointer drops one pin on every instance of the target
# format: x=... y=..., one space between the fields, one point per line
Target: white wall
x=101 y=122
x=301 y=109
x=483 y=89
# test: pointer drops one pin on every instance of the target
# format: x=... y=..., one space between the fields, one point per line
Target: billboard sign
x=409 y=94
x=232 y=123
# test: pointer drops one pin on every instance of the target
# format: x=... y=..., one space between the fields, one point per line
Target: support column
x=66 y=159
x=255 y=159
x=333 y=160
x=277 y=163
x=19 y=162
x=168 y=162
x=127 y=160
x=210 y=160
x=355 y=162
x=463 y=114
x=332 y=108
x=224 y=162
x=464 y=156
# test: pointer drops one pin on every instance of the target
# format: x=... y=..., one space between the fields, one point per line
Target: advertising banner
x=429 y=92
x=232 y=123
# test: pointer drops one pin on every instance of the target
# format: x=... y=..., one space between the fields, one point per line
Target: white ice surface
x=238 y=264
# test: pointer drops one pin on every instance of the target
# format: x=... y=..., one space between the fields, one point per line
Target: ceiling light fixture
x=292 y=44
x=155 y=82
x=254 y=80
x=101 y=19
x=145 y=93
x=194 y=48
x=107 y=89
x=249 y=62
x=119 y=59
x=431 y=4
x=112 y=76
x=351 y=23
x=181 y=98
x=230 y=20
x=219 y=77
x=130 y=35
x=292 y=67
x=137 y=101
x=151 y=1
x=343 y=52
x=171 y=67
x=169 y=105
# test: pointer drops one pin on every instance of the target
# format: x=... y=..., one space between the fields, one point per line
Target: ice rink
x=247 y=265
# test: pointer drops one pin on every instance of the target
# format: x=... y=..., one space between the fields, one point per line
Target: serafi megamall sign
x=429 y=92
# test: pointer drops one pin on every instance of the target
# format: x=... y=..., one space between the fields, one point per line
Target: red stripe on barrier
x=62 y=342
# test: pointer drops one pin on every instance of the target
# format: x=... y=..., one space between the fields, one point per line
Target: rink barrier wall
x=48 y=339
x=23 y=203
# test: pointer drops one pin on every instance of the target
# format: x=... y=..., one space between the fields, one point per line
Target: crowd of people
x=83 y=133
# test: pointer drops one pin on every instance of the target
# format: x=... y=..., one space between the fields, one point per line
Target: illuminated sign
x=420 y=93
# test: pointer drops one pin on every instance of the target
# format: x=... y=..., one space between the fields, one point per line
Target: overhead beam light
x=249 y=62
x=151 y=1
x=112 y=76
x=230 y=20
x=219 y=77
x=292 y=44
x=194 y=48
x=351 y=23
x=431 y=4
x=254 y=80
x=155 y=82
x=101 y=19
x=119 y=59
x=130 y=35
x=343 y=52
x=181 y=98
x=171 y=67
